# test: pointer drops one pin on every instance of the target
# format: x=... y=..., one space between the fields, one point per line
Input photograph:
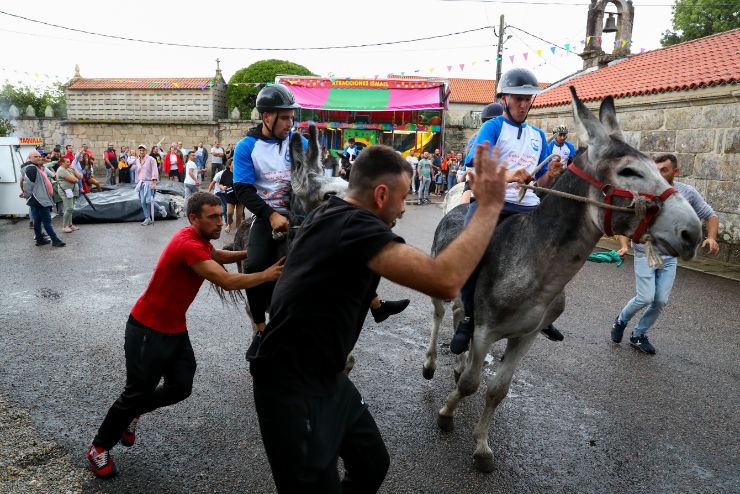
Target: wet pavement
x=583 y=415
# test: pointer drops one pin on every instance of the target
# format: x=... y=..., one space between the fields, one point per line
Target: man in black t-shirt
x=309 y=412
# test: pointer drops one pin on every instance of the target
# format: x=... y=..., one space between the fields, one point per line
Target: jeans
x=146 y=197
x=132 y=174
x=110 y=176
x=424 y=188
x=653 y=289
x=190 y=189
x=223 y=204
x=69 y=207
x=150 y=357
x=450 y=180
x=41 y=215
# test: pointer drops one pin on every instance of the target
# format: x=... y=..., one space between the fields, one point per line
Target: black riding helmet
x=491 y=111
x=273 y=98
x=518 y=81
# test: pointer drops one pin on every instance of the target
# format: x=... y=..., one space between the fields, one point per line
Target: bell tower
x=620 y=23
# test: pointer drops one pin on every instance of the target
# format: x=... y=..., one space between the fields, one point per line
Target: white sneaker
x=147 y=222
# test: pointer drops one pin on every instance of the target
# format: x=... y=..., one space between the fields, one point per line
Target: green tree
x=22 y=96
x=244 y=97
x=694 y=19
x=6 y=128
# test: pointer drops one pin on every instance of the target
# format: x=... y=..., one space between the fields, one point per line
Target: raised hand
x=489 y=181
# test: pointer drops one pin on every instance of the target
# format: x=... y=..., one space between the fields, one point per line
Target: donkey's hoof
x=428 y=373
x=456 y=374
x=445 y=423
x=483 y=462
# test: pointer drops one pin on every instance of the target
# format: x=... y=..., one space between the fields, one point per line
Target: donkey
x=532 y=257
x=309 y=189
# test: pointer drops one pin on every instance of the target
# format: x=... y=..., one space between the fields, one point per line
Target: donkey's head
x=310 y=186
x=609 y=159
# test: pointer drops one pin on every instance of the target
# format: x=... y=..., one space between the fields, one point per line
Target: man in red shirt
x=157 y=345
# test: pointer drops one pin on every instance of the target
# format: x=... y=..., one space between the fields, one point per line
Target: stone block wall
x=701 y=127
x=146 y=105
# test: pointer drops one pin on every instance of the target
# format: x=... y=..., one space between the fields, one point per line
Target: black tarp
x=121 y=203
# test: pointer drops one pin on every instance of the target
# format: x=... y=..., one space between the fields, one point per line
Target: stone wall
x=146 y=105
x=97 y=134
x=457 y=137
x=701 y=127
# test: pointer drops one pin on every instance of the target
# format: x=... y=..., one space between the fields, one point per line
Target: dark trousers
x=150 y=357
x=304 y=436
x=215 y=168
x=41 y=216
x=262 y=252
x=467 y=292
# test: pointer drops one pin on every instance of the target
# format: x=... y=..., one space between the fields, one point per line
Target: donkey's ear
x=313 y=157
x=589 y=130
x=608 y=117
x=296 y=153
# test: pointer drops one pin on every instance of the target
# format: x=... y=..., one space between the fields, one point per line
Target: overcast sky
x=47 y=51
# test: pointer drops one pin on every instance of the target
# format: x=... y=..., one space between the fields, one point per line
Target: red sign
x=31 y=141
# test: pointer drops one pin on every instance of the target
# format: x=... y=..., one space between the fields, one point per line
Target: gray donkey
x=309 y=189
x=532 y=257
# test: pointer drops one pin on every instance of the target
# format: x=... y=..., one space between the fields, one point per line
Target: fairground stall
x=405 y=114
x=13 y=153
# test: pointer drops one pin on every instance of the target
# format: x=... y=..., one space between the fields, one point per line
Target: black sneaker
x=552 y=333
x=462 y=336
x=57 y=243
x=43 y=241
x=642 y=344
x=388 y=308
x=618 y=330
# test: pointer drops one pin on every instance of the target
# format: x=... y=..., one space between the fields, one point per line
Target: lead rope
x=639 y=207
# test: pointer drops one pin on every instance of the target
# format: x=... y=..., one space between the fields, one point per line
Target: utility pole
x=499 y=51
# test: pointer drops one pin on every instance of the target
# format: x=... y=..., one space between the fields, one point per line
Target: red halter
x=609 y=192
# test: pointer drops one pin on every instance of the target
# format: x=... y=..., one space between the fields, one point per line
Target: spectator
x=157 y=156
x=36 y=188
x=560 y=146
x=414 y=162
x=350 y=150
x=453 y=164
x=146 y=169
x=216 y=185
x=67 y=180
x=69 y=154
x=110 y=160
x=229 y=152
x=424 y=173
x=173 y=163
x=84 y=166
x=654 y=285
x=191 y=176
x=227 y=185
x=217 y=158
x=124 y=177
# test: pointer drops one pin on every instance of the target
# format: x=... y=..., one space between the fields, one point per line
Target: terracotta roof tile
x=142 y=83
x=708 y=61
x=476 y=91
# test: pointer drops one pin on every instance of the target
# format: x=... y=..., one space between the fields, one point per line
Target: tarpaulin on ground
x=121 y=203
x=366 y=94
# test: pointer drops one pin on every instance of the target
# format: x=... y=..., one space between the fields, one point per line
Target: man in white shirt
x=217 y=158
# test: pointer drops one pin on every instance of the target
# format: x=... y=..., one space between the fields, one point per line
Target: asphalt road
x=583 y=415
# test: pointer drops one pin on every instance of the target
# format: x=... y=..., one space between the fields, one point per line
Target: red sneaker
x=101 y=462
x=129 y=435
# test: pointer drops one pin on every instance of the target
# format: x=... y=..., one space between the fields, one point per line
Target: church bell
x=610 y=26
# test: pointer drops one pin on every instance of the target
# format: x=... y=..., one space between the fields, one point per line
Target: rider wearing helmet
x=491 y=111
x=560 y=146
x=262 y=184
x=522 y=147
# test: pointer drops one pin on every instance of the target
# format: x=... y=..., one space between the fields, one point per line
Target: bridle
x=647 y=206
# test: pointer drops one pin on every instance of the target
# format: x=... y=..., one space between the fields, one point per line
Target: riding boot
x=464 y=331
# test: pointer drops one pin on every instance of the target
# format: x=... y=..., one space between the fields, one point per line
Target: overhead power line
x=571 y=4
x=207 y=47
x=535 y=36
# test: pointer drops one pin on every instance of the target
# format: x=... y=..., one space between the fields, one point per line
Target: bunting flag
x=567 y=46
x=552 y=49
x=525 y=55
x=449 y=68
x=539 y=53
x=462 y=66
x=588 y=39
x=511 y=57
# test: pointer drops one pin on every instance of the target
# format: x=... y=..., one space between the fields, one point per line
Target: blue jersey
x=566 y=152
x=520 y=147
x=265 y=163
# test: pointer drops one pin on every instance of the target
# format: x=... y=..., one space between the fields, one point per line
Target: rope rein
x=638 y=207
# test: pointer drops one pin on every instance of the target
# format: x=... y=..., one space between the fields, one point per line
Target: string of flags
x=526 y=57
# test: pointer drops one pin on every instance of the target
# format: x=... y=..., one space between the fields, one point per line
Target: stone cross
x=30 y=112
x=235 y=114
